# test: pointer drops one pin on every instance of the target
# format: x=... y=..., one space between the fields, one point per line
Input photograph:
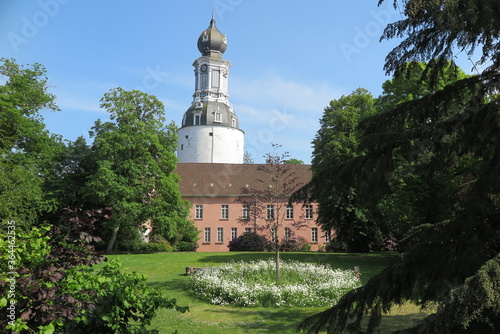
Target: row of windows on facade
x=234 y=234
x=245 y=211
x=218 y=119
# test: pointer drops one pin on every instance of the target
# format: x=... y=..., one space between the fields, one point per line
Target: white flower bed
x=253 y=284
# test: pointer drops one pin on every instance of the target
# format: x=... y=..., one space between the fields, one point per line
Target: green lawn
x=167 y=270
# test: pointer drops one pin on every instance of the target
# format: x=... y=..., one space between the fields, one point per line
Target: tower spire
x=210 y=130
x=213 y=11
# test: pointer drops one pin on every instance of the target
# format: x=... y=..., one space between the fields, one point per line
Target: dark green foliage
x=361 y=215
x=248 y=241
x=74 y=167
x=186 y=246
x=336 y=246
x=153 y=247
x=336 y=142
x=436 y=30
x=57 y=290
x=445 y=148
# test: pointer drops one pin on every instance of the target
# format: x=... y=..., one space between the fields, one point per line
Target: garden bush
x=58 y=289
x=153 y=247
x=248 y=241
x=295 y=244
x=186 y=246
x=336 y=246
x=253 y=284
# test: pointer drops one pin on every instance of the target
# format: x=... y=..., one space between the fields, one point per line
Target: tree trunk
x=112 y=240
x=277 y=262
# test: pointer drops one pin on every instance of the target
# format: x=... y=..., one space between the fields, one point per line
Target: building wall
x=212 y=219
x=210 y=144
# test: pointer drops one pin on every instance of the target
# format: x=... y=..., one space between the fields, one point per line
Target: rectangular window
x=197 y=119
x=199 y=212
x=207 y=234
x=270 y=211
x=215 y=79
x=220 y=234
x=233 y=122
x=288 y=233
x=218 y=117
x=248 y=229
x=328 y=236
x=224 y=213
x=289 y=212
x=245 y=212
x=309 y=211
x=314 y=234
x=204 y=81
x=234 y=232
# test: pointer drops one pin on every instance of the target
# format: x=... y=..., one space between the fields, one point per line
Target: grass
x=167 y=270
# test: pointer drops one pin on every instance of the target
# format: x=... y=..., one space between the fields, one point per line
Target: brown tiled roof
x=214 y=180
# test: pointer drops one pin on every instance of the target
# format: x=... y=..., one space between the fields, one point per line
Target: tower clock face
x=204 y=67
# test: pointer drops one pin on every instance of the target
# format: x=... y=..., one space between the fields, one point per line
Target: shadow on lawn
x=304 y=257
x=180 y=284
x=392 y=323
x=266 y=320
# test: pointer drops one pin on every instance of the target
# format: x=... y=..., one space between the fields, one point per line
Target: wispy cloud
x=273 y=109
x=80 y=103
x=272 y=89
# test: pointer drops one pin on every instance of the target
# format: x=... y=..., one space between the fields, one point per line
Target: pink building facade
x=213 y=176
x=215 y=192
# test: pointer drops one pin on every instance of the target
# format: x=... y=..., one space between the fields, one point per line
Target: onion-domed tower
x=210 y=130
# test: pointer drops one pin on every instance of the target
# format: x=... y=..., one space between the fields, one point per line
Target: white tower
x=210 y=129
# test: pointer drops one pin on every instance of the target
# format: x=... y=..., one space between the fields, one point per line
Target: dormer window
x=218 y=117
x=233 y=122
x=197 y=119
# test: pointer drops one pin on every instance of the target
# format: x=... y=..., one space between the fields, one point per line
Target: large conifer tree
x=453 y=262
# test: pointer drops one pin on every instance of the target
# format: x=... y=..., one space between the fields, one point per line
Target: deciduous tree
x=135 y=156
x=27 y=149
x=336 y=142
x=269 y=199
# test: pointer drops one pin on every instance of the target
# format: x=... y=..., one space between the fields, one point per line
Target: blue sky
x=290 y=58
